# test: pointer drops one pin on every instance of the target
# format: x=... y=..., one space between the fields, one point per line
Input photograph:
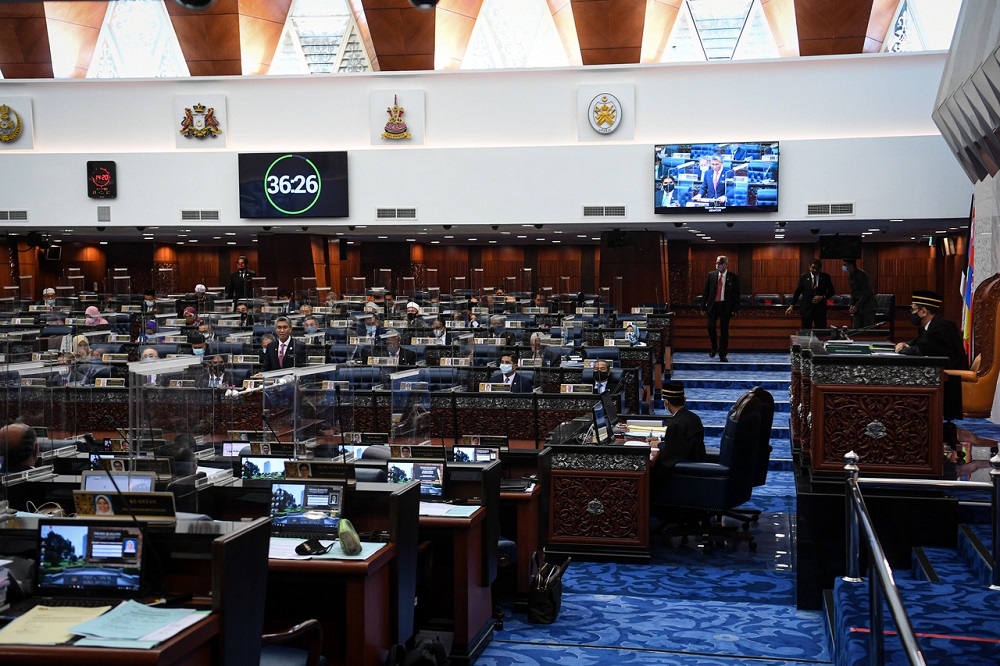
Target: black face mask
x=411 y=316
x=669 y=187
x=601 y=375
x=915 y=319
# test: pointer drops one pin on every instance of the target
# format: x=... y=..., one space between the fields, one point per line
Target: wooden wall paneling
x=554 y=263
x=639 y=262
x=499 y=263
x=775 y=269
x=8 y=263
x=137 y=260
x=90 y=259
x=680 y=280
x=29 y=263
x=319 y=260
x=197 y=266
x=285 y=257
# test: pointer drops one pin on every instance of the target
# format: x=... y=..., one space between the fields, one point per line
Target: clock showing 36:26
x=292 y=184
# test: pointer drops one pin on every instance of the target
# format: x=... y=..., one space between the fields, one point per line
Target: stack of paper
x=135 y=625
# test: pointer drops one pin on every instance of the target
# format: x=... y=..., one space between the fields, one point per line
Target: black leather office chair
x=689 y=499
x=762 y=458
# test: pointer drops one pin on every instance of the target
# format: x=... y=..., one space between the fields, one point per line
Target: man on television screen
x=815 y=287
x=722 y=300
x=713 y=188
x=667 y=197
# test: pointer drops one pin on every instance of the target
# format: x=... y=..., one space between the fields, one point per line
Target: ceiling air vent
x=14 y=215
x=104 y=213
x=195 y=215
x=827 y=209
x=396 y=213
x=604 y=211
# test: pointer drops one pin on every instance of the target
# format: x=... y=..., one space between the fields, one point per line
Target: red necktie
x=718 y=292
x=281 y=355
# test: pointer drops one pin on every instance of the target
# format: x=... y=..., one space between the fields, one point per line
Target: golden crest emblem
x=605 y=113
x=200 y=122
x=395 y=128
x=10 y=127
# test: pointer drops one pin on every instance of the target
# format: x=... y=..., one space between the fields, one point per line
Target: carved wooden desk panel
x=600 y=502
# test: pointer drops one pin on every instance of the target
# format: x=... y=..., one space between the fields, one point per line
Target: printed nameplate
x=32 y=381
x=340 y=323
x=76 y=321
x=382 y=360
x=328 y=385
x=114 y=358
x=413 y=386
x=576 y=388
x=488 y=387
x=587 y=311
x=44 y=356
x=109 y=382
x=131 y=308
x=530 y=363
x=316 y=360
x=355 y=340
x=181 y=383
x=489 y=341
x=252 y=383
x=176 y=339
x=252 y=359
x=118 y=337
x=451 y=323
x=534 y=310
x=515 y=323
x=424 y=341
x=455 y=362
x=175 y=322
x=646 y=311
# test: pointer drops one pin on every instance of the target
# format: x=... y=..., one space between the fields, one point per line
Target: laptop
x=430 y=475
x=306 y=509
x=127 y=482
x=86 y=563
x=476 y=453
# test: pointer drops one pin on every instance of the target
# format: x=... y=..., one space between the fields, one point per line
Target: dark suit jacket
x=295 y=356
x=520 y=384
x=862 y=294
x=684 y=439
x=940 y=338
x=406 y=356
x=732 y=290
x=240 y=288
x=805 y=289
x=710 y=191
x=246 y=320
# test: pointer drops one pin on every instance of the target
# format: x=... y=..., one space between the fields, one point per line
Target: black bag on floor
x=545 y=590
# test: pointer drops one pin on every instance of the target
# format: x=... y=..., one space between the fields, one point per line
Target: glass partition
x=411 y=408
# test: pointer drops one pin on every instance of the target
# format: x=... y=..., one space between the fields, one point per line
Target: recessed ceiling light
x=942 y=231
x=875 y=229
x=596 y=239
x=193 y=240
x=866 y=233
x=230 y=242
x=104 y=242
x=383 y=237
x=505 y=233
x=522 y=236
x=182 y=243
x=435 y=242
x=556 y=241
x=411 y=240
x=182 y=235
x=254 y=240
x=449 y=236
x=557 y=232
x=711 y=240
x=216 y=237
x=539 y=239
x=230 y=233
x=362 y=226
x=895 y=220
x=581 y=235
x=473 y=239
x=350 y=242
x=952 y=228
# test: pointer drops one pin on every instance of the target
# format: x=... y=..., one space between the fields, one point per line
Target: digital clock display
x=276 y=185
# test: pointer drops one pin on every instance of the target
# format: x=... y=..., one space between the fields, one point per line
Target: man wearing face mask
x=246 y=317
x=392 y=349
x=862 y=295
x=602 y=378
x=413 y=319
x=508 y=374
x=438 y=331
x=722 y=301
x=668 y=197
x=684 y=438
x=936 y=335
x=197 y=342
x=815 y=288
x=370 y=328
x=49 y=299
x=215 y=375
x=149 y=302
x=148 y=355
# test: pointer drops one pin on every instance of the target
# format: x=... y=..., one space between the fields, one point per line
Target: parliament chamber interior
x=350 y=333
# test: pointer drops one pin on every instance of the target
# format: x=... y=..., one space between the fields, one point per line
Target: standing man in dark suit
x=815 y=287
x=240 y=285
x=862 y=295
x=713 y=188
x=936 y=335
x=507 y=374
x=283 y=352
x=722 y=301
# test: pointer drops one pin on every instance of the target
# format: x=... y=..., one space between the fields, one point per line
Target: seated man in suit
x=246 y=317
x=438 y=331
x=392 y=349
x=215 y=375
x=507 y=374
x=602 y=377
x=684 y=438
x=936 y=335
x=370 y=327
x=413 y=319
x=198 y=344
x=21 y=444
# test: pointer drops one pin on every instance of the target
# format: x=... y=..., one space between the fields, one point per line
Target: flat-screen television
x=694 y=178
x=295 y=185
x=838 y=246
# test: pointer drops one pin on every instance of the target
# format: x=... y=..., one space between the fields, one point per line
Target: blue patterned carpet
x=687 y=606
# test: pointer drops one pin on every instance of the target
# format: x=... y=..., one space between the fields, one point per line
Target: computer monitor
x=126 y=482
x=430 y=475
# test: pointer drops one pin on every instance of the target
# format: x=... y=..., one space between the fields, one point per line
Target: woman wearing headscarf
x=149 y=331
x=94 y=317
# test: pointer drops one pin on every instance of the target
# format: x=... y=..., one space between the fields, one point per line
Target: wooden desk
x=194 y=646
x=351 y=598
x=462 y=597
x=525 y=506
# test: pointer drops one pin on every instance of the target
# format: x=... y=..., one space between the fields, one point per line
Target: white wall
x=499 y=147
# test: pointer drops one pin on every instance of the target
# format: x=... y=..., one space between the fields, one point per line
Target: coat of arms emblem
x=10 y=128
x=395 y=128
x=200 y=122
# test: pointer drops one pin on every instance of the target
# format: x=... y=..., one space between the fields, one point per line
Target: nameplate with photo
x=455 y=362
x=494 y=387
x=576 y=388
x=109 y=382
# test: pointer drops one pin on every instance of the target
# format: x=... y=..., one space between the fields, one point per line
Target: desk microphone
x=847 y=333
x=265 y=417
